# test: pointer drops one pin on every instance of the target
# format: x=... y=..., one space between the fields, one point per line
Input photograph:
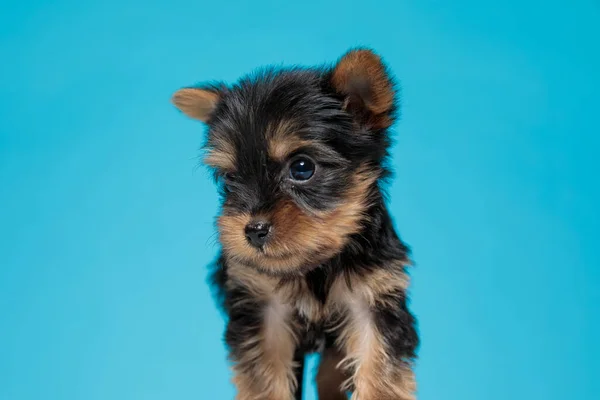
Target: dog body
x=310 y=259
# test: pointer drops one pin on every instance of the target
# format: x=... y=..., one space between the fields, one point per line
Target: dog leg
x=379 y=338
x=262 y=342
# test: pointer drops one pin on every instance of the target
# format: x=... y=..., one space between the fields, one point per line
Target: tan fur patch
x=260 y=285
x=220 y=153
x=299 y=239
x=307 y=305
x=295 y=292
x=371 y=287
x=220 y=159
x=196 y=103
x=270 y=358
x=375 y=375
x=361 y=74
x=283 y=141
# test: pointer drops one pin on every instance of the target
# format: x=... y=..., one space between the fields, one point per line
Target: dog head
x=298 y=154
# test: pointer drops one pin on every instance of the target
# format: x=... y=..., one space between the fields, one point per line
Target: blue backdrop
x=106 y=223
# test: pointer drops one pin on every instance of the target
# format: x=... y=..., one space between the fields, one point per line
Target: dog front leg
x=380 y=340
x=262 y=343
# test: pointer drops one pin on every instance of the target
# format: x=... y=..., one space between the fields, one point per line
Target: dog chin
x=281 y=265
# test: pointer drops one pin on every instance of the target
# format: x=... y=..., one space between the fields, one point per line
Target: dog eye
x=302 y=169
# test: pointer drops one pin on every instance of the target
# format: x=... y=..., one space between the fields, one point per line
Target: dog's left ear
x=197 y=103
x=362 y=78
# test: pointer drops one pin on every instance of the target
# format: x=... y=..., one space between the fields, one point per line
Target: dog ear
x=362 y=78
x=197 y=103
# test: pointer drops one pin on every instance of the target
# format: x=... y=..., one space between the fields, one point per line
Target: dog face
x=297 y=154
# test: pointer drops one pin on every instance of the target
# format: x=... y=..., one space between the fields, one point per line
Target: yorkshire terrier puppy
x=310 y=260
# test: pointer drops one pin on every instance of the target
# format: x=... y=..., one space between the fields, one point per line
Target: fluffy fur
x=332 y=275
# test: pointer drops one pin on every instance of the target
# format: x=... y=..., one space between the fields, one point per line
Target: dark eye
x=302 y=169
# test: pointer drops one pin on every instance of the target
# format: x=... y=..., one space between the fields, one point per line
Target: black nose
x=257 y=233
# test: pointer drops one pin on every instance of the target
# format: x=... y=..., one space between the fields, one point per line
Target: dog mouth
x=279 y=263
x=266 y=254
x=272 y=254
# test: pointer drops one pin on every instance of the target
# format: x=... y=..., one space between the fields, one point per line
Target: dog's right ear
x=196 y=103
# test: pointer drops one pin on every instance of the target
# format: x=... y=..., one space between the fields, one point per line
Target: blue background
x=106 y=223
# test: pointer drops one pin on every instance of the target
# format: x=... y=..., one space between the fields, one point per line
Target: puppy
x=310 y=259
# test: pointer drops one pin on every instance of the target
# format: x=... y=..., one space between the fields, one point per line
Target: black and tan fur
x=332 y=275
